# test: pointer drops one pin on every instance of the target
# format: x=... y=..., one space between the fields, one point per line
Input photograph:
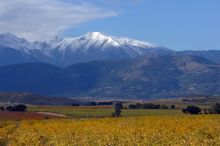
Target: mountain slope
x=166 y=76
x=145 y=77
x=33 y=99
x=29 y=77
x=14 y=50
x=12 y=56
x=213 y=55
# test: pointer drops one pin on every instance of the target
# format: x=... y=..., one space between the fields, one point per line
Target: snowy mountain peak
x=114 y=41
x=98 y=38
x=90 y=46
x=95 y=35
x=90 y=40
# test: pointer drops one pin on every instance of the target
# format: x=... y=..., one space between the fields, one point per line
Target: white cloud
x=40 y=19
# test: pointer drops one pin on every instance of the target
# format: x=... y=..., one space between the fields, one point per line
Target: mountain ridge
x=100 y=65
x=88 y=47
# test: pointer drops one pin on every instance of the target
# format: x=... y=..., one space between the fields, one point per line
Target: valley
x=109 y=73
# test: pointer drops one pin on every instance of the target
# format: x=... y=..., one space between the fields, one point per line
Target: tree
x=215 y=109
x=20 y=107
x=105 y=103
x=117 y=109
x=132 y=106
x=151 y=106
x=172 y=106
x=138 y=105
x=92 y=103
x=163 y=107
x=2 y=108
x=191 y=110
x=75 y=104
x=10 y=108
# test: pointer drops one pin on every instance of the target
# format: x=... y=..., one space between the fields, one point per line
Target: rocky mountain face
x=67 y=51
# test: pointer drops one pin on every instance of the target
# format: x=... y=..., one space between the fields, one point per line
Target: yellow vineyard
x=152 y=130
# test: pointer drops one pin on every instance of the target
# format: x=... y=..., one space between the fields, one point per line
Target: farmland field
x=93 y=125
x=148 y=130
x=101 y=111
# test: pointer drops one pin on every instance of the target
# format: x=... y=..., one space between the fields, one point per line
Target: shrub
x=75 y=104
x=105 y=103
x=191 y=110
x=151 y=106
x=147 y=106
x=18 y=108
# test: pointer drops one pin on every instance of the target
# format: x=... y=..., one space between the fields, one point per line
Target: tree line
x=215 y=109
x=150 y=106
x=93 y=103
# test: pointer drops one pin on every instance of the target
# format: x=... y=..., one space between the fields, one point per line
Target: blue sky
x=176 y=24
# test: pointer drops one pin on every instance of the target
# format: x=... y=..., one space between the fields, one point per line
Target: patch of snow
x=138 y=43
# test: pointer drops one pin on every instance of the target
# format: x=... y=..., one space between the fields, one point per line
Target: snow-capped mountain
x=101 y=41
x=11 y=41
x=67 y=51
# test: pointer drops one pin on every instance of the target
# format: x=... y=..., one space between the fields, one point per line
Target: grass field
x=101 y=111
x=149 y=130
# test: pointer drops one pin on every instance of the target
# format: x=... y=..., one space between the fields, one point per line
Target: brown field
x=4 y=115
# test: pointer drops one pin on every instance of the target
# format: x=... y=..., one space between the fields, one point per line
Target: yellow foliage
x=6 y=128
x=137 y=131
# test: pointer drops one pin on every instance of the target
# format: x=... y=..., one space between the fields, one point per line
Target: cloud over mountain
x=40 y=19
